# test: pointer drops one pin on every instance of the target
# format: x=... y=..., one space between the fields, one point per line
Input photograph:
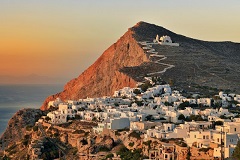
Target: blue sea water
x=15 y=97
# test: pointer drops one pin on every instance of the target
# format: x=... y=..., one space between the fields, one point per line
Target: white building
x=204 y=101
x=57 y=117
x=66 y=108
x=113 y=124
x=168 y=131
x=165 y=40
x=237 y=98
x=54 y=103
x=126 y=91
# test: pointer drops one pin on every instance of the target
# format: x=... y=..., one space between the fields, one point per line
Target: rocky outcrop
x=104 y=76
x=19 y=125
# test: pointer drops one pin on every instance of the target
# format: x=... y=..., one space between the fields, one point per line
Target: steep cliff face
x=104 y=76
x=17 y=126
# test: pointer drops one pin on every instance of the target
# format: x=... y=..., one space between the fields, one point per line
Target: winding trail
x=148 y=46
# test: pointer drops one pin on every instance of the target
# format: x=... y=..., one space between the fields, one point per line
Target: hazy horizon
x=59 y=39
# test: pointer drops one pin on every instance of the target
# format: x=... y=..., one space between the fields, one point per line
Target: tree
x=81 y=109
x=183 y=105
x=148 y=117
x=145 y=86
x=223 y=117
x=47 y=118
x=109 y=156
x=218 y=123
x=94 y=119
x=168 y=104
x=136 y=91
x=99 y=110
x=127 y=154
x=77 y=116
x=5 y=158
x=181 y=117
x=188 y=154
x=171 y=82
x=194 y=117
x=35 y=128
x=139 y=103
x=236 y=152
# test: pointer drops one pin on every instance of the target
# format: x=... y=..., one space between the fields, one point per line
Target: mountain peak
x=140 y=23
x=127 y=61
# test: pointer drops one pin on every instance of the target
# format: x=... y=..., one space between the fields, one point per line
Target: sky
x=61 y=38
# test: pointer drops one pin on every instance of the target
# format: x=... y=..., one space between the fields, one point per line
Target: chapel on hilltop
x=165 y=40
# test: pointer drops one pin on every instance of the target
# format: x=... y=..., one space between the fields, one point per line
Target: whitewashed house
x=204 y=101
x=237 y=98
x=56 y=117
x=54 y=103
x=113 y=124
x=201 y=138
x=190 y=100
x=126 y=91
x=66 y=108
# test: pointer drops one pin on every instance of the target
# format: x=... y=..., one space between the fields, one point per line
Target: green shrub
x=117 y=133
x=147 y=143
x=126 y=154
x=131 y=144
x=56 y=134
x=204 y=149
x=25 y=142
x=136 y=91
x=181 y=117
x=135 y=135
x=47 y=118
x=103 y=149
x=81 y=109
x=77 y=117
x=79 y=131
x=139 y=103
x=109 y=156
x=84 y=142
x=35 y=128
x=29 y=127
x=11 y=147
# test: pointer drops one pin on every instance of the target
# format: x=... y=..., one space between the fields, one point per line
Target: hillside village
x=152 y=121
x=153 y=112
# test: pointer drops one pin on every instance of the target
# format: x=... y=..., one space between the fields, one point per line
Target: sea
x=16 y=97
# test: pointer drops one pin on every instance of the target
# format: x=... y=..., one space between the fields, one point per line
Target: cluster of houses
x=155 y=113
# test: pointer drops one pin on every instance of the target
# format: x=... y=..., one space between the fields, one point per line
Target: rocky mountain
x=19 y=125
x=126 y=62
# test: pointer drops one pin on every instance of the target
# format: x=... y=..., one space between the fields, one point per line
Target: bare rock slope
x=17 y=125
x=196 y=62
x=104 y=76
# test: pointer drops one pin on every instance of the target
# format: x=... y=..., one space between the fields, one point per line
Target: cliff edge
x=104 y=76
x=18 y=126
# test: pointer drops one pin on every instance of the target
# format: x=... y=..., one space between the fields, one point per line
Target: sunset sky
x=61 y=38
